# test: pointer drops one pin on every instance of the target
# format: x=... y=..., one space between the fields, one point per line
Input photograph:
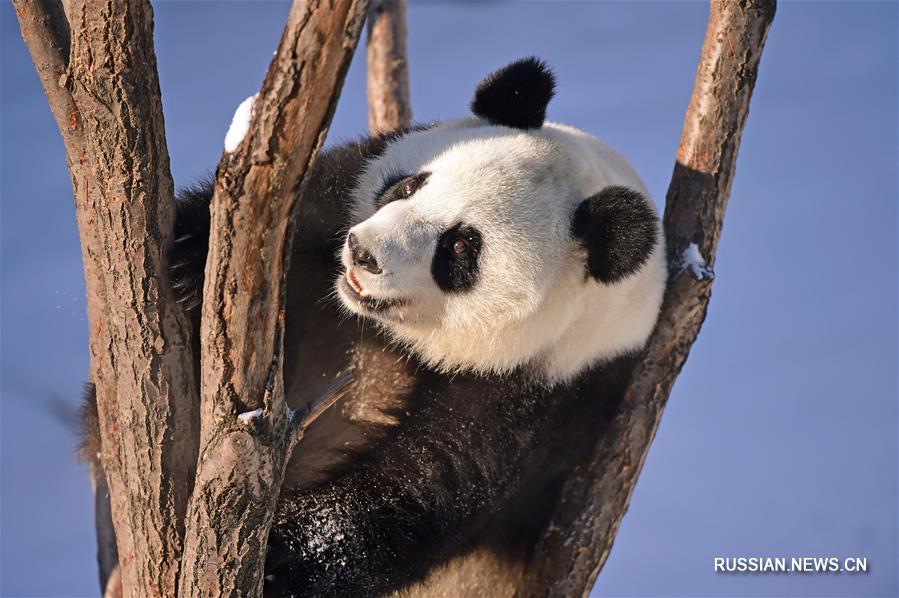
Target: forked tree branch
x=104 y=93
x=242 y=459
x=389 y=107
x=595 y=498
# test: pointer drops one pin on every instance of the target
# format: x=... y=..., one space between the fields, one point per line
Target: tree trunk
x=242 y=459
x=98 y=70
x=104 y=93
x=389 y=107
x=578 y=540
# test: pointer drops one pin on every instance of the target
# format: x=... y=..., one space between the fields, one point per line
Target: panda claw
x=184 y=238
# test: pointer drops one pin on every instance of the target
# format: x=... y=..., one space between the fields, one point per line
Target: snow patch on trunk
x=240 y=124
x=249 y=416
x=693 y=261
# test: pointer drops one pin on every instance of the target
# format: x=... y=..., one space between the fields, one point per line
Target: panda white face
x=487 y=247
x=459 y=228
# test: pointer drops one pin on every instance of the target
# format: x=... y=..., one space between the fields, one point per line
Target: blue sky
x=780 y=438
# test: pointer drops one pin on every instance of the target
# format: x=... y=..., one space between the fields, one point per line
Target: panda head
x=500 y=242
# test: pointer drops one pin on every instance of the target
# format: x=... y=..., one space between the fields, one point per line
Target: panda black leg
x=413 y=500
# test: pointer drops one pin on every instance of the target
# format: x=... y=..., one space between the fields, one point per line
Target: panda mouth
x=353 y=290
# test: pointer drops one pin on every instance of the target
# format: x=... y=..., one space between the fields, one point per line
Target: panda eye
x=389 y=183
x=401 y=187
x=408 y=187
x=455 y=262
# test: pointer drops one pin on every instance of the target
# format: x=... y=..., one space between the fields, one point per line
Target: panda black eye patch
x=455 y=263
x=400 y=186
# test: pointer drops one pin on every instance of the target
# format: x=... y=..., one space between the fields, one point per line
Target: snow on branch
x=691 y=260
x=240 y=124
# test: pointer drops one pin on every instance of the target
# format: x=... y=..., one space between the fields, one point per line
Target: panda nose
x=362 y=257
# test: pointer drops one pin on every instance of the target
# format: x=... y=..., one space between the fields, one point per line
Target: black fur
x=516 y=95
x=454 y=272
x=89 y=437
x=191 y=242
x=617 y=227
x=468 y=450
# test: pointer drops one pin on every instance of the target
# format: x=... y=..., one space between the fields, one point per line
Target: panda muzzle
x=352 y=288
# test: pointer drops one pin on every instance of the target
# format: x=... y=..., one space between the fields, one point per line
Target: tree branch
x=242 y=460
x=106 y=103
x=389 y=107
x=45 y=31
x=580 y=536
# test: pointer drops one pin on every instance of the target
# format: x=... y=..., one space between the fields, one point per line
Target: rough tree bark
x=389 y=107
x=242 y=460
x=104 y=94
x=595 y=498
x=98 y=70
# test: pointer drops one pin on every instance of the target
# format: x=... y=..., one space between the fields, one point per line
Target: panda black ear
x=516 y=95
x=617 y=228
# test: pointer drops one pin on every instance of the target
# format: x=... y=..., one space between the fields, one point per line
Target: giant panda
x=486 y=284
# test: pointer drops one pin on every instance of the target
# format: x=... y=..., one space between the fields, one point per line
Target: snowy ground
x=781 y=435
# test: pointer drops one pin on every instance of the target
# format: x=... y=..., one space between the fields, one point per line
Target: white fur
x=532 y=304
